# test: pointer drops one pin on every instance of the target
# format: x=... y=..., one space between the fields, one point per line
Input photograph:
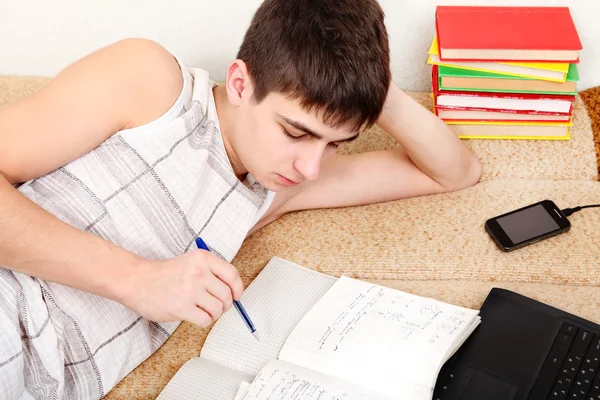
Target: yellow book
x=509 y=130
x=555 y=72
x=566 y=137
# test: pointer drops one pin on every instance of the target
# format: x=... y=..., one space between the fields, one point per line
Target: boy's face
x=282 y=145
x=260 y=138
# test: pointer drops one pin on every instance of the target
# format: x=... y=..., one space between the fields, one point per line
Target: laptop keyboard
x=571 y=370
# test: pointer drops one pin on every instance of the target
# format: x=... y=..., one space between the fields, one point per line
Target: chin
x=269 y=184
x=272 y=184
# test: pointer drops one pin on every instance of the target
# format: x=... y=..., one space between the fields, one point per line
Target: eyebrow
x=301 y=127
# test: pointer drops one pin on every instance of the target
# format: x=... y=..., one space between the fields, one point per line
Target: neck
x=225 y=113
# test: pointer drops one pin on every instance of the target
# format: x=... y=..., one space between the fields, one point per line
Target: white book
x=324 y=338
x=504 y=103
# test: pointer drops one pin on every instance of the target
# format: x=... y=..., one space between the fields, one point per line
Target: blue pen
x=238 y=306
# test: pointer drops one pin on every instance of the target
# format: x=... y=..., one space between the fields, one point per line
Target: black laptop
x=524 y=349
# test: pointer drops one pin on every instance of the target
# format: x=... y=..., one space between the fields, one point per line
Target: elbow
x=469 y=176
x=472 y=175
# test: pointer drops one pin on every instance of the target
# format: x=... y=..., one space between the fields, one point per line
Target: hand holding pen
x=196 y=286
x=237 y=304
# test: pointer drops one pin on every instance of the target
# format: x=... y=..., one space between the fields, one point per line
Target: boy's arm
x=429 y=143
x=432 y=160
x=123 y=85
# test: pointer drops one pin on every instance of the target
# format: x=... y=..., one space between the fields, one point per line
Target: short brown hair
x=333 y=55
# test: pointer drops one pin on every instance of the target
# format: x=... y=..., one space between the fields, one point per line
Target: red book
x=480 y=33
x=490 y=114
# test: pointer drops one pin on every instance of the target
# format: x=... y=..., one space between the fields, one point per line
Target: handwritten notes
x=344 y=340
x=362 y=311
x=402 y=338
x=278 y=382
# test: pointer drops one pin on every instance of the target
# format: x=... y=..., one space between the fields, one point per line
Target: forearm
x=36 y=243
x=428 y=141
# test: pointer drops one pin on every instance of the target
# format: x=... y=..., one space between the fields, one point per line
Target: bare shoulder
x=154 y=73
x=122 y=85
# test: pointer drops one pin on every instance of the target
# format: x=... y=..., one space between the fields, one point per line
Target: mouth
x=285 y=181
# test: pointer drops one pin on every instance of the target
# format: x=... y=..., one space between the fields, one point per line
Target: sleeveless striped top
x=151 y=190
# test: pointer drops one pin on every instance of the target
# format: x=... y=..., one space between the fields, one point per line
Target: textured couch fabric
x=432 y=245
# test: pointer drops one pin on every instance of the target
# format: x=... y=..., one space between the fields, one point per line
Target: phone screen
x=527 y=224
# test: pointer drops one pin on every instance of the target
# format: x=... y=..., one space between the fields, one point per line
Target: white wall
x=40 y=37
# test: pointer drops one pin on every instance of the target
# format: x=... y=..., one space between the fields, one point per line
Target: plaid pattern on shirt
x=151 y=190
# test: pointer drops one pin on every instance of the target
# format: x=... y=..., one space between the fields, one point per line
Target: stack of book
x=505 y=72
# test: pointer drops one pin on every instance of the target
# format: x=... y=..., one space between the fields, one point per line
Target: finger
x=209 y=303
x=197 y=316
x=220 y=290
x=230 y=275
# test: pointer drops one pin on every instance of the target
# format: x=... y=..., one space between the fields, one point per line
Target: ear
x=238 y=83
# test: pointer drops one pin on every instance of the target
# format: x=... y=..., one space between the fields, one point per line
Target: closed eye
x=289 y=135
x=335 y=144
x=292 y=137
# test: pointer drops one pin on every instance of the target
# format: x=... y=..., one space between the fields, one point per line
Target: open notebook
x=324 y=338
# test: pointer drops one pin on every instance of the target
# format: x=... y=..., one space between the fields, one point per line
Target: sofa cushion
x=591 y=100
x=437 y=237
x=12 y=88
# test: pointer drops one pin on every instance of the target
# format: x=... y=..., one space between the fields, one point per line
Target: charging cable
x=569 y=211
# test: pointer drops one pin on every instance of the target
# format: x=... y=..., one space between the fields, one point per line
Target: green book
x=451 y=78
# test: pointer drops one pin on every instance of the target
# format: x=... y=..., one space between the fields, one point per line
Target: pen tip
x=256 y=335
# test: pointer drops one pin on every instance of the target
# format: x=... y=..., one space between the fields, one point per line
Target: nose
x=309 y=162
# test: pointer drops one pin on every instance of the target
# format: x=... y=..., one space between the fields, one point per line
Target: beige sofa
x=434 y=245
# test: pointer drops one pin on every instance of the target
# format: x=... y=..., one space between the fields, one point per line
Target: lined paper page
x=402 y=338
x=201 y=379
x=275 y=301
x=282 y=381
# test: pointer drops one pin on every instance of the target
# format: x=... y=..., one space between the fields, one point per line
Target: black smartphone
x=527 y=225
